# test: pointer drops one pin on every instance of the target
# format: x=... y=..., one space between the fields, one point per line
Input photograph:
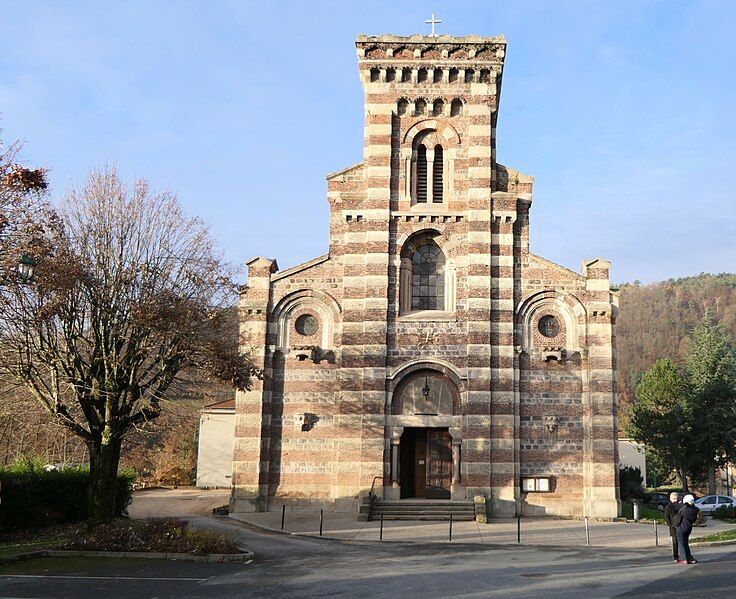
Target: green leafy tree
x=710 y=370
x=658 y=472
x=660 y=418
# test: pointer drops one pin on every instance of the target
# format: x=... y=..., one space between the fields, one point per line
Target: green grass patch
x=25 y=541
x=645 y=512
x=726 y=535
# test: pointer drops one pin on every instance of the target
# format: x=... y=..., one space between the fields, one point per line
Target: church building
x=429 y=354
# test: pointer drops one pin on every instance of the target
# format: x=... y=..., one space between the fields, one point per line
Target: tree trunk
x=711 y=478
x=683 y=479
x=103 y=470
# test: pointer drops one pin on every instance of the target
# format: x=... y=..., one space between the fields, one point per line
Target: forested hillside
x=655 y=321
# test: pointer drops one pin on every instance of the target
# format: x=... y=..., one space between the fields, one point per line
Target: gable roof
x=347 y=169
x=554 y=266
x=222 y=404
x=300 y=267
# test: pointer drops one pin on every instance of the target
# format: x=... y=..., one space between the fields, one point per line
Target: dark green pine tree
x=710 y=371
x=660 y=418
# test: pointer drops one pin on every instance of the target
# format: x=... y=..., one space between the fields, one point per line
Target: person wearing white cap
x=683 y=522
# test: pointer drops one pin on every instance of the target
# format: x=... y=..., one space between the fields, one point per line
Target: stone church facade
x=429 y=353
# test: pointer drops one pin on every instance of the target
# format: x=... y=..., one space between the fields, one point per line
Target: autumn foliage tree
x=127 y=296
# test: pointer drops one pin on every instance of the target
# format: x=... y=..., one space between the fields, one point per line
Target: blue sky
x=625 y=112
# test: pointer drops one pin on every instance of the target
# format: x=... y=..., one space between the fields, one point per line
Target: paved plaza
x=413 y=560
x=190 y=502
x=305 y=567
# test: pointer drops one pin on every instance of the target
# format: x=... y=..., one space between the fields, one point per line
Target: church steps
x=423 y=510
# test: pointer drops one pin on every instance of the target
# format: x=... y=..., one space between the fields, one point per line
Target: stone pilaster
x=253 y=407
x=601 y=488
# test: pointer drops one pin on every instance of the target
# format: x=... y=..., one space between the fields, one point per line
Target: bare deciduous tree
x=128 y=294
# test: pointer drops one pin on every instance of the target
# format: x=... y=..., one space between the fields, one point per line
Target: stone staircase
x=422 y=509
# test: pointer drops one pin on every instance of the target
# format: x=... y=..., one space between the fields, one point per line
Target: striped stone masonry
x=429 y=353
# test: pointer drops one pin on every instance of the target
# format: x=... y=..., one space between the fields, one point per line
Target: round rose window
x=549 y=326
x=306 y=325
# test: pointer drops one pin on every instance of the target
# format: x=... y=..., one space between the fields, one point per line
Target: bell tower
x=431 y=104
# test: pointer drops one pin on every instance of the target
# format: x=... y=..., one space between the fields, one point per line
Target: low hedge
x=33 y=497
x=725 y=512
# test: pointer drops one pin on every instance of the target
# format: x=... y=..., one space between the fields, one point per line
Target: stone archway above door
x=426 y=392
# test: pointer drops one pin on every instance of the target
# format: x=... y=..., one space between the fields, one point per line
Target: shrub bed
x=33 y=497
x=725 y=512
x=154 y=535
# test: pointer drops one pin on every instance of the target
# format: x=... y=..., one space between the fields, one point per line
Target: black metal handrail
x=373 y=485
x=371 y=495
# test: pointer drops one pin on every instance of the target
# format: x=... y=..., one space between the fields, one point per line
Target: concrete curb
x=21 y=557
x=695 y=543
x=211 y=557
x=309 y=535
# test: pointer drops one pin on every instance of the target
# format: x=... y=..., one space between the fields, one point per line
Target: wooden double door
x=425 y=468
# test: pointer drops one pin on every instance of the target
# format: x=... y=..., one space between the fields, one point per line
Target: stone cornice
x=427 y=39
x=460 y=50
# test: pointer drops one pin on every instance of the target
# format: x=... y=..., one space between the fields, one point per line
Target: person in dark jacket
x=684 y=521
x=669 y=515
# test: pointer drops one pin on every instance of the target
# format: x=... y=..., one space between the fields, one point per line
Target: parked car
x=710 y=503
x=657 y=500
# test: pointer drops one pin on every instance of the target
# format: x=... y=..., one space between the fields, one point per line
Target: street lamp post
x=26 y=264
x=26 y=267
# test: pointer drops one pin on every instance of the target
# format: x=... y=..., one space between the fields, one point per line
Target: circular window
x=549 y=326
x=307 y=325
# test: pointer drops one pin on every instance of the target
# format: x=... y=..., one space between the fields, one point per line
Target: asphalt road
x=287 y=566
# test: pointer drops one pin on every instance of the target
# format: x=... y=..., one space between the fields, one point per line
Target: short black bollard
x=518 y=528
x=380 y=534
x=450 y=528
x=656 y=535
x=283 y=515
x=321 y=520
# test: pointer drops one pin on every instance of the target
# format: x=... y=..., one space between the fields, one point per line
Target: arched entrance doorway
x=425 y=459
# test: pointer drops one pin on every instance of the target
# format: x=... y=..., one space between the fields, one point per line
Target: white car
x=710 y=503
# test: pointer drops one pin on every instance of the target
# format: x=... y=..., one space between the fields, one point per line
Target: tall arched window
x=425 y=170
x=428 y=277
x=421 y=185
x=437 y=182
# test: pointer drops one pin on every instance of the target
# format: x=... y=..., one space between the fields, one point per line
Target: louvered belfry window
x=437 y=186
x=421 y=174
x=428 y=278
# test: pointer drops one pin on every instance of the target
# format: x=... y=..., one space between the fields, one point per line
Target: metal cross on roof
x=433 y=21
